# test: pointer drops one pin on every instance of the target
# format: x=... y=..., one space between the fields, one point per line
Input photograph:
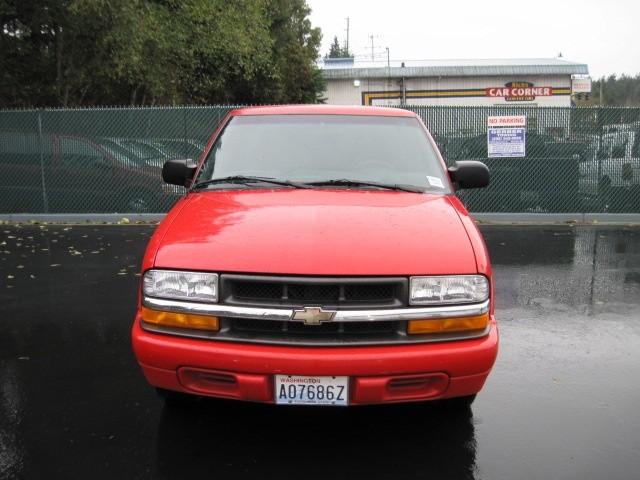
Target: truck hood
x=317 y=232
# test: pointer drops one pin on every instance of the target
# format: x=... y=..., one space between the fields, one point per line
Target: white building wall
x=444 y=91
x=342 y=92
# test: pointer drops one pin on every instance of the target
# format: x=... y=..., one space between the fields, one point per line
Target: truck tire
x=141 y=201
x=604 y=193
x=635 y=198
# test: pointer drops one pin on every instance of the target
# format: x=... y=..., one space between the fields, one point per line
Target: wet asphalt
x=562 y=401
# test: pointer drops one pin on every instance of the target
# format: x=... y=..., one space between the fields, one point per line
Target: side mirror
x=469 y=174
x=179 y=172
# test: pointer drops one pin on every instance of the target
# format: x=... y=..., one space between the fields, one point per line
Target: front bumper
x=378 y=374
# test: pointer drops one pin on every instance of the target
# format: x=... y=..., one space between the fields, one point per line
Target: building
x=507 y=82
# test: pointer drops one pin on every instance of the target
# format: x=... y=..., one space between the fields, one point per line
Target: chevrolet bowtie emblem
x=313 y=315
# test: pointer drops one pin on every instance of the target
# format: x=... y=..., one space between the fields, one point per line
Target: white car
x=613 y=173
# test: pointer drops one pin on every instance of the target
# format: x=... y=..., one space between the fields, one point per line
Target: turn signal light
x=448 y=325
x=180 y=320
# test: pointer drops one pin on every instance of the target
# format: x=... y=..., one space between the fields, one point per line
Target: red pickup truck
x=319 y=257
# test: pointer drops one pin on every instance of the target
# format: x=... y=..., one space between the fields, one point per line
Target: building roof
x=455 y=68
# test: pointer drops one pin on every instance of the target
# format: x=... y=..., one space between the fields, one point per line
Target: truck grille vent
x=373 y=292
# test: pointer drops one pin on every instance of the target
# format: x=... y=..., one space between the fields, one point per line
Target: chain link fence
x=109 y=160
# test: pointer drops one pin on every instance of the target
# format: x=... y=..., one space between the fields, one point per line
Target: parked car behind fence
x=546 y=180
x=59 y=172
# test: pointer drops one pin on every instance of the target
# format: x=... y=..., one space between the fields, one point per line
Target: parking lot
x=560 y=403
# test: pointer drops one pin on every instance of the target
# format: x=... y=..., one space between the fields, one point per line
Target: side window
x=20 y=149
x=80 y=152
x=142 y=150
x=620 y=150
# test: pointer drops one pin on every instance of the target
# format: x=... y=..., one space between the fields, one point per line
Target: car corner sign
x=519 y=92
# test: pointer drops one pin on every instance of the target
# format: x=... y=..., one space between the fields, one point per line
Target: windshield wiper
x=247 y=179
x=344 y=182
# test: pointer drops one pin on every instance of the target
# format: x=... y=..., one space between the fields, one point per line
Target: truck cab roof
x=323 y=110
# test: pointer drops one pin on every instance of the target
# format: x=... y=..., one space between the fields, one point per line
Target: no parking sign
x=506 y=136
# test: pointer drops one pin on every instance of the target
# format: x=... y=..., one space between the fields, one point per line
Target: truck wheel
x=140 y=202
x=604 y=193
x=634 y=199
x=563 y=202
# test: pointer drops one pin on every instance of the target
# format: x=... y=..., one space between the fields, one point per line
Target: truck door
x=631 y=167
x=23 y=157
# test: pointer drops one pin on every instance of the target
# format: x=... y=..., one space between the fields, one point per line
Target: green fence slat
x=108 y=160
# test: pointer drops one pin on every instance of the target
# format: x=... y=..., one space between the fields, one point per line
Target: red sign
x=519 y=92
x=507 y=121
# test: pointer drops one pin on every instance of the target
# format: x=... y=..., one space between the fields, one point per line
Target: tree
x=295 y=51
x=622 y=91
x=336 y=51
x=228 y=50
x=90 y=52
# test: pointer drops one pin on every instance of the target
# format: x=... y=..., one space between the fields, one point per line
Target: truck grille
x=328 y=292
x=332 y=333
x=337 y=292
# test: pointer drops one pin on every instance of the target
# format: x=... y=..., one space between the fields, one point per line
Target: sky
x=602 y=34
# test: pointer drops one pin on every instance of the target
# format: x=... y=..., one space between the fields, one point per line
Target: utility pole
x=601 y=93
x=372 y=47
x=388 y=62
x=346 y=47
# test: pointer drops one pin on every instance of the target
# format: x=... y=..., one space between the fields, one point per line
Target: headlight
x=448 y=289
x=181 y=285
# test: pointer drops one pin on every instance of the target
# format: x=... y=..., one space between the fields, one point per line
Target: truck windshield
x=323 y=148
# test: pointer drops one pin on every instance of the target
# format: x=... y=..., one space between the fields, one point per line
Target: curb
x=497 y=218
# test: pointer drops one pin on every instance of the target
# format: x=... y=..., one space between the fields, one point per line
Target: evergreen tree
x=336 y=51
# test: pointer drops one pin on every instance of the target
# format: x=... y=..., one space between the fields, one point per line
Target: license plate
x=302 y=390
